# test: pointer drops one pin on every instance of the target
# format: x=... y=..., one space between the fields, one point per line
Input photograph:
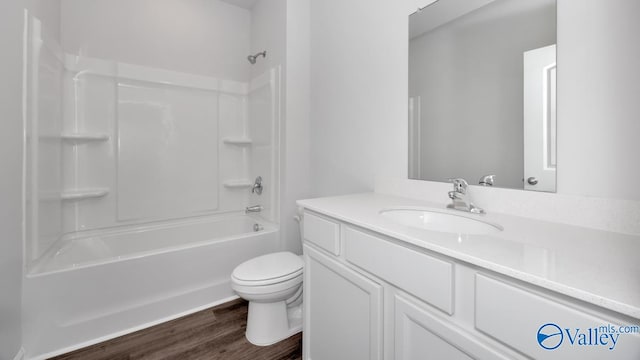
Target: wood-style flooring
x=212 y=334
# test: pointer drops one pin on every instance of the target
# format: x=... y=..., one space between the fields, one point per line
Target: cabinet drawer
x=514 y=317
x=322 y=232
x=421 y=275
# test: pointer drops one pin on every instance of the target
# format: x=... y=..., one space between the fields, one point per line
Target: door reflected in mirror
x=482 y=93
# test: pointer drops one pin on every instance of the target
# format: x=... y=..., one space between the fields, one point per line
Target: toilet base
x=269 y=323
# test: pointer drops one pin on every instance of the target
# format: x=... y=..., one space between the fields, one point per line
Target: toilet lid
x=272 y=268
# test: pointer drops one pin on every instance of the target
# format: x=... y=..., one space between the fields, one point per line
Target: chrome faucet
x=461 y=199
x=257 y=186
x=253 y=209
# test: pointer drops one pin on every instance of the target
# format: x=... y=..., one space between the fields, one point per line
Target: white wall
x=11 y=139
x=206 y=37
x=598 y=107
x=296 y=170
x=359 y=93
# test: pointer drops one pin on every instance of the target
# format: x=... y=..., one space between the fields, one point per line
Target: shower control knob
x=532 y=181
x=257 y=186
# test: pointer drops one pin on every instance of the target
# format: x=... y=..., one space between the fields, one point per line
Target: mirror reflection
x=482 y=99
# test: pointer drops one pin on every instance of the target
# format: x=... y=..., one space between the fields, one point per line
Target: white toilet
x=272 y=284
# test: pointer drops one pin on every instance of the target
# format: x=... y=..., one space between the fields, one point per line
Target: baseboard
x=19 y=355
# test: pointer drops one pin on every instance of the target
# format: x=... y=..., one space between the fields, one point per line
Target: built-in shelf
x=238 y=184
x=81 y=194
x=84 y=137
x=241 y=141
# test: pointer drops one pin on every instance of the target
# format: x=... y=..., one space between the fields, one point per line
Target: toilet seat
x=269 y=269
x=267 y=292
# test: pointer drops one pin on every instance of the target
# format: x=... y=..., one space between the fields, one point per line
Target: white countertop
x=599 y=267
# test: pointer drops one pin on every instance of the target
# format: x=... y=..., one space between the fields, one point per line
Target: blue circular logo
x=550 y=336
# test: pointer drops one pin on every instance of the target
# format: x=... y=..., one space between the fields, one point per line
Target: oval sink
x=440 y=221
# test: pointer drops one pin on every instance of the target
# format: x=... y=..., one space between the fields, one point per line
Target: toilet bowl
x=272 y=284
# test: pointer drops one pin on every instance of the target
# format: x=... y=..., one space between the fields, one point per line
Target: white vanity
x=379 y=288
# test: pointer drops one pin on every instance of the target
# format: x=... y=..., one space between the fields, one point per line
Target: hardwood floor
x=212 y=334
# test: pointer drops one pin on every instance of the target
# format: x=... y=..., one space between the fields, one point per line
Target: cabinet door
x=544 y=328
x=343 y=311
x=421 y=335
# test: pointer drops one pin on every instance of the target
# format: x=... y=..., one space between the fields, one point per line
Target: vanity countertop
x=599 y=267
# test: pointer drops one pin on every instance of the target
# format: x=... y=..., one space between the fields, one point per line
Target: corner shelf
x=81 y=194
x=240 y=141
x=77 y=138
x=238 y=184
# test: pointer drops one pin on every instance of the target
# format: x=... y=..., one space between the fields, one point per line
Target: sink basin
x=441 y=221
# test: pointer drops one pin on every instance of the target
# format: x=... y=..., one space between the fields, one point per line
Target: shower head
x=252 y=58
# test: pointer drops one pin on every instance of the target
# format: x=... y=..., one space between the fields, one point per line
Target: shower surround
x=138 y=172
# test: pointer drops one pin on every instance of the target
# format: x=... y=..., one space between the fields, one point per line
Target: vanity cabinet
x=343 y=311
x=370 y=296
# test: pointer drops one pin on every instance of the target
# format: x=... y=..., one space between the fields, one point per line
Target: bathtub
x=98 y=285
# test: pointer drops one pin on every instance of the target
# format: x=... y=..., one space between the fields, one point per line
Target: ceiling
x=247 y=4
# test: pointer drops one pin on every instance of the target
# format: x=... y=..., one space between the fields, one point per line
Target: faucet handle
x=487 y=180
x=459 y=185
x=257 y=186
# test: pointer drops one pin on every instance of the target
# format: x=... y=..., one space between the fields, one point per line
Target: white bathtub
x=100 y=285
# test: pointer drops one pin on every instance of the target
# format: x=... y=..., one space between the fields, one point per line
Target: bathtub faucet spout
x=254 y=208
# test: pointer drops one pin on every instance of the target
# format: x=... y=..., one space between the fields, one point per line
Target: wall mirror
x=482 y=92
